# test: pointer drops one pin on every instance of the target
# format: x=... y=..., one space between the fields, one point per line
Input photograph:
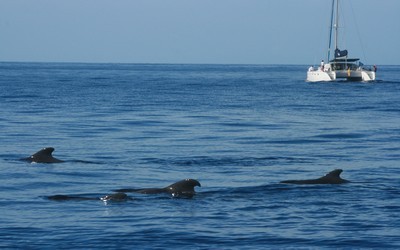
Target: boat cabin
x=345 y=64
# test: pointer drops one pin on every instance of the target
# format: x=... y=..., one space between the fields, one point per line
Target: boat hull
x=356 y=74
x=321 y=76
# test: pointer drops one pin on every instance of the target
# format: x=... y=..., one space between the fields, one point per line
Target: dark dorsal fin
x=183 y=188
x=43 y=156
x=335 y=174
x=45 y=151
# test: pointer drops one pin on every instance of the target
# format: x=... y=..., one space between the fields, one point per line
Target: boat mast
x=330 y=31
x=336 y=25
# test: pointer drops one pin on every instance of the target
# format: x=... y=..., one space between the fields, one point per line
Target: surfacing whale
x=43 y=156
x=110 y=197
x=332 y=177
x=183 y=188
x=180 y=189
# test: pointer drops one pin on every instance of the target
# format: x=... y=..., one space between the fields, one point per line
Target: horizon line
x=165 y=63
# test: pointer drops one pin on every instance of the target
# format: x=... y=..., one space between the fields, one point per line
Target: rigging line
x=358 y=31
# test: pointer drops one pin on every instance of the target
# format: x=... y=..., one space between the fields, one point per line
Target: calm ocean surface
x=238 y=129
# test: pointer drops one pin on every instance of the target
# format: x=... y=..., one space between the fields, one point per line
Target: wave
x=341 y=136
x=224 y=161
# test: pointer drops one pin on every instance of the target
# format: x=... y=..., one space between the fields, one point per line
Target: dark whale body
x=183 y=188
x=332 y=177
x=180 y=189
x=111 y=197
x=43 y=156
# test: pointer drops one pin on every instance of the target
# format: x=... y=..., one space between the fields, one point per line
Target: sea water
x=238 y=129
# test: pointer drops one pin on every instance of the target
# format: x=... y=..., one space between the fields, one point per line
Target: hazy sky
x=195 y=31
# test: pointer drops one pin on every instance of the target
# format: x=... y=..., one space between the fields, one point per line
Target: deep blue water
x=238 y=129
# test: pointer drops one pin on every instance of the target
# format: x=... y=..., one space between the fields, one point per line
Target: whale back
x=332 y=177
x=146 y=190
x=115 y=197
x=183 y=188
x=111 y=197
x=61 y=197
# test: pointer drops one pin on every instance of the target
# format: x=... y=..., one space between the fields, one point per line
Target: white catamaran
x=341 y=66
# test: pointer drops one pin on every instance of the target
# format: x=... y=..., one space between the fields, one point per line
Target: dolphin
x=332 y=177
x=110 y=197
x=43 y=156
x=183 y=188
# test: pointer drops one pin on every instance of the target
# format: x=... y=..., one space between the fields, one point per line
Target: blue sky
x=195 y=31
